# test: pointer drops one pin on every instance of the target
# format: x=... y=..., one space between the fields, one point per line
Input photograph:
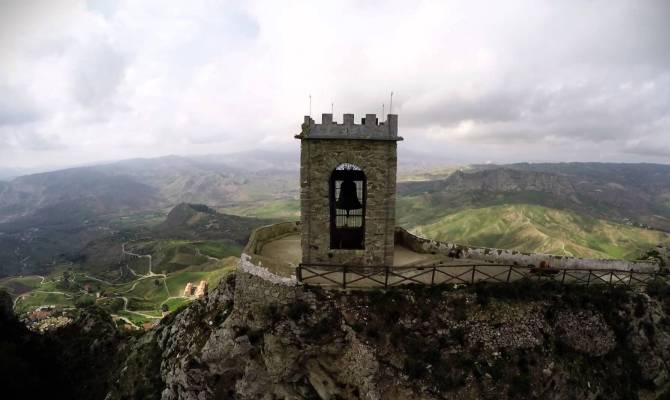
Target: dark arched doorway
x=347 y=207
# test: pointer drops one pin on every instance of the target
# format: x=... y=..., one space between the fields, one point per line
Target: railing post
x=344 y=277
x=588 y=280
x=509 y=273
x=630 y=278
x=472 y=281
x=299 y=272
x=563 y=278
x=386 y=277
x=432 y=278
x=611 y=276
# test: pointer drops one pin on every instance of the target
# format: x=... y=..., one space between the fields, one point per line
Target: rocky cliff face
x=661 y=254
x=74 y=362
x=620 y=192
x=500 y=180
x=250 y=339
x=508 y=180
x=254 y=340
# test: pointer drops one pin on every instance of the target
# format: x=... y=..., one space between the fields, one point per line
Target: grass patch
x=176 y=303
x=287 y=209
x=20 y=284
x=219 y=248
x=38 y=298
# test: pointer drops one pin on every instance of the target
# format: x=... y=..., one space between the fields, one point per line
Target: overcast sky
x=499 y=81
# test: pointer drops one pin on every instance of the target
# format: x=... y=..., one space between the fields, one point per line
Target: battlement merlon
x=369 y=129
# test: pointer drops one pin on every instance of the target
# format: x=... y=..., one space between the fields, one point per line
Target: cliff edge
x=254 y=339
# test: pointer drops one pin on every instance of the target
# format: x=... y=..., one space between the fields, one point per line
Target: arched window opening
x=347 y=207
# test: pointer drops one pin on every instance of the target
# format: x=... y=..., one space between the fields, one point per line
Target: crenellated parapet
x=370 y=128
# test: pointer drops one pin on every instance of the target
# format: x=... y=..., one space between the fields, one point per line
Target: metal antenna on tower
x=310 y=105
x=391 y=105
x=383 y=109
x=332 y=107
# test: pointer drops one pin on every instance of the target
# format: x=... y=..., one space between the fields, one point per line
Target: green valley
x=133 y=294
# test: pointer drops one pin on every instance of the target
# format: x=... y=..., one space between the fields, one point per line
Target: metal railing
x=348 y=276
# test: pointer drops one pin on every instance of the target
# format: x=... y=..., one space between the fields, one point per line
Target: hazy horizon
x=521 y=81
x=407 y=161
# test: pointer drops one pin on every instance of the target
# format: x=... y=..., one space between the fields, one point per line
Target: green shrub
x=519 y=386
x=458 y=334
x=323 y=327
x=414 y=368
x=297 y=309
x=84 y=301
x=255 y=336
x=658 y=288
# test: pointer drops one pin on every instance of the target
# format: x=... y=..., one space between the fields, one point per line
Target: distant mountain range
x=147 y=184
x=52 y=216
x=629 y=193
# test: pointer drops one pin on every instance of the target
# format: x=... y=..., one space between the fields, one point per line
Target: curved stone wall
x=276 y=278
x=251 y=255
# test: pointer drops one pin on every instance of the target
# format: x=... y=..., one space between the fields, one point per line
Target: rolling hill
x=533 y=228
x=58 y=216
x=625 y=193
x=130 y=186
x=63 y=215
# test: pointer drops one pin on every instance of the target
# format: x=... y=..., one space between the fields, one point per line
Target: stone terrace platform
x=275 y=251
x=287 y=248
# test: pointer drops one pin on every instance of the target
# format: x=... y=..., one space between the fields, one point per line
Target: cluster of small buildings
x=196 y=291
x=46 y=318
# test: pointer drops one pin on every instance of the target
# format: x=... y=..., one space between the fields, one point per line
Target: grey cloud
x=648 y=147
x=99 y=71
x=591 y=78
x=27 y=138
x=596 y=71
x=595 y=111
x=451 y=109
x=16 y=108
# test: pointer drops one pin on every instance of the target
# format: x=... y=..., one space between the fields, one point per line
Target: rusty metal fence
x=347 y=276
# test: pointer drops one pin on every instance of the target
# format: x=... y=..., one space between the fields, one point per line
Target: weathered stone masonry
x=514 y=257
x=370 y=146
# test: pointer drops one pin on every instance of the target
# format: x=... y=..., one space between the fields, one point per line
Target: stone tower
x=347 y=190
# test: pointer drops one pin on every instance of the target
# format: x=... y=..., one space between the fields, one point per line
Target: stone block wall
x=377 y=159
x=251 y=255
x=256 y=289
x=514 y=257
x=369 y=128
x=262 y=235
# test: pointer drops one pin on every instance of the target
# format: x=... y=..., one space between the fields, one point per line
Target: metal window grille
x=353 y=219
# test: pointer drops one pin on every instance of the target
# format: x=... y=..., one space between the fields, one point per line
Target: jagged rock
x=661 y=254
x=6 y=305
x=281 y=358
x=407 y=343
x=507 y=328
x=585 y=332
